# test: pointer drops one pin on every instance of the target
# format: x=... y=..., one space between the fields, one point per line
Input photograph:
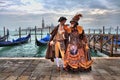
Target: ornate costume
x=50 y=53
x=77 y=56
x=57 y=45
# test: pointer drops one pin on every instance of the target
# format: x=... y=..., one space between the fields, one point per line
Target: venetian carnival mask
x=72 y=25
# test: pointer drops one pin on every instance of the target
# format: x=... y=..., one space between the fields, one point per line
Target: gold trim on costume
x=80 y=29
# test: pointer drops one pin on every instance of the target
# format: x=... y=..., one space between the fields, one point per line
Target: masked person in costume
x=57 y=45
x=77 y=56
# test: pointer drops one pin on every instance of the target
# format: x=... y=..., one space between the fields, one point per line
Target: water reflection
x=41 y=51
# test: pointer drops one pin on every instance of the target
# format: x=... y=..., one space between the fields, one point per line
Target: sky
x=29 y=13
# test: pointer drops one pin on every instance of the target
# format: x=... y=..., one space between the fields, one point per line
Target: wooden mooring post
x=41 y=33
x=88 y=31
x=4 y=30
x=88 y=37
x=94 y=41
x=116 y=45
x=49 y=30
x=19 y=32
x=30 y=34
x=26 y=31
x=35 y=33
x=103 y=29
x=101 y=42
x=111 y=48
x=105 y=43
x=94 y=31
x=7 y=34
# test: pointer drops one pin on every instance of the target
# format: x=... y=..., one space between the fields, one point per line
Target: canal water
x=29 y=49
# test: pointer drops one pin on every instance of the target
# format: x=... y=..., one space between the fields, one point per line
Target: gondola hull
x=38 y=43
x=44 y=41
x=15 y=42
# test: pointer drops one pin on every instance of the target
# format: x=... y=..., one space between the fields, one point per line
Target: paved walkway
x=42 y=69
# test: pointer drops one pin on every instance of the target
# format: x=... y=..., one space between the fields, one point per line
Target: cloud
x=22 y=6
x=97 y=4
x=98 y=11
x=5 y=3
x=114 y=4
x=30 y=12
x=27 y=6
x=69 y=7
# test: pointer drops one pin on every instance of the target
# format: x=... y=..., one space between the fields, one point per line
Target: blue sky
x=28 y=13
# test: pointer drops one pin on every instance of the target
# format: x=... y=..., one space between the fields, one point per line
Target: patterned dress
x=76 y=55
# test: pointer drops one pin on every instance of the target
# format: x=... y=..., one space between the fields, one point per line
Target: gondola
x=18 y=41
x=2 y=39
x=43 y=41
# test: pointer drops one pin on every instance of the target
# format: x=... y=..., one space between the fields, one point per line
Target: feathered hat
x=76 y=18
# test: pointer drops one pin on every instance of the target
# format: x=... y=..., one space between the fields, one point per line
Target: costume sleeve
x=53 y=30
x=53 y=33
x=80 y=29
x=67 y=29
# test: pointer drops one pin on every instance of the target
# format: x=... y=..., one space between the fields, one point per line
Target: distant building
x=43 y=23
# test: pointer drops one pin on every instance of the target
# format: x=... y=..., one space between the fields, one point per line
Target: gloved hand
x=86 y=47
x=51 y=43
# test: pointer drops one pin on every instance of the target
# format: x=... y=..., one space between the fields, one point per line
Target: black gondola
x=44 y=41
x=18 y=41
x=2 y=39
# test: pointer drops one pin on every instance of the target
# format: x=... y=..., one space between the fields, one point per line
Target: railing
x=105 y=43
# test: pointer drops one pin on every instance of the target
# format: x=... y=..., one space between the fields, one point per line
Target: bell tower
x=43 y=24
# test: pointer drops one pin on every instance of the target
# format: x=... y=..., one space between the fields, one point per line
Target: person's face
x=72 y=24
x=63 y=22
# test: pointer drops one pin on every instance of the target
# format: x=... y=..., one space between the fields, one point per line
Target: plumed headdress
x=76 y=18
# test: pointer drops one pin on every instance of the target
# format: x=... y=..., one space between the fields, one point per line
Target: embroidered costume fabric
x=76 y=54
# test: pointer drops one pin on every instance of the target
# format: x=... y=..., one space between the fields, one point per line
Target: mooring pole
x=4 y=31
x=103 y=29
x=116 y=46
x=41 y=33
x=35 y=33
x=19 y=32
x=49 y=30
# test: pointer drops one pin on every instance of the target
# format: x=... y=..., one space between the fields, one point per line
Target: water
x=97 y=54
x=26 y=50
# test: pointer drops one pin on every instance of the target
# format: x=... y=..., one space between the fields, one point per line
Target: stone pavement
x=42 y=69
